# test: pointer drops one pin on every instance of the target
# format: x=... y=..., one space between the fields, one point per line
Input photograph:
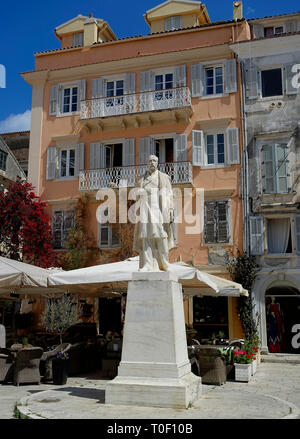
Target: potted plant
x=242 y=365
x=60 y=368
x=59 y=315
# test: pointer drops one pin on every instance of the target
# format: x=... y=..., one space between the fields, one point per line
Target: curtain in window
x=278 y=235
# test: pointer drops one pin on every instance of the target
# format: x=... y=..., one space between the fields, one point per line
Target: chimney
x=237 y=10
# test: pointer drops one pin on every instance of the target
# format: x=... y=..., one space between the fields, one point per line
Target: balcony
x=127 y=176
x=136 y=110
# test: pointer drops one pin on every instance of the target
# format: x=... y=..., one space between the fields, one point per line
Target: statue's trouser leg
x=147 y=256
x=163 y=253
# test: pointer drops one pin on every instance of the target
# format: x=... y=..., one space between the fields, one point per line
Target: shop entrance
x=110 y=315
x=211 y=319
x=283 y=320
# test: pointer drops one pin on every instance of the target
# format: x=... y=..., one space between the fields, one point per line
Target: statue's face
x=152 y=163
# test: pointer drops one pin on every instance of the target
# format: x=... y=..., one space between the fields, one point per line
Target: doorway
x=110 y=315
x=283 y=320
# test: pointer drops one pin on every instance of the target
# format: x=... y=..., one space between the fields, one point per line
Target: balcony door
x=114 y=97
x=164 y=83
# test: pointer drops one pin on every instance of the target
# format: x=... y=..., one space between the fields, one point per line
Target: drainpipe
x=245 y=167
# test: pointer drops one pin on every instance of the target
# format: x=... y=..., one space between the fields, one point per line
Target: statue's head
x=152 y=163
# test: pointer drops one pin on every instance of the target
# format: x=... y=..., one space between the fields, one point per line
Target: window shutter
x=147 y=81
x=51 y=163
x=197 y=80
x=251 y=76
x=129 y=83
x=180 y=76
x=233 y=148
x=257 y=244
x=289 y=75
x=198 y=148
x=145 y=149
x=82 y=88
x=269 y=184
x=281 y=170
x=230 y=75
x=222 y=221
x=97 y=160
x=97 y=88
x=162 y=152
x=297 y=232
x=291 y=26
x=258 y=31
x=53 y=107
x=79 y=158
x=180 y=145
x=128 y=152
x=210 y=222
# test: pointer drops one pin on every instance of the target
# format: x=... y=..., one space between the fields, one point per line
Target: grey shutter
x=129 y=83
x=281 y=168
x=230 y=76
x=180 y=76
x=82 y=88
x=97 y=155
x=180 y=148
x=291 y=26
x=128 y=152
x=233 y=148
x=251 y=77
x=222 y=221
x=78 y=39
x=257 y=243
x=198 y=148
x=162 y=152
x=51 y=163
x=147 y=81
x=53 y=106
x=258 y=31
x=289 y=75
x=79 y=158
x=297 y=232
x=172 y=23
x=145 y=149
x=98 y=88
x=210 y=222
x=269 y=182
x=197 y=80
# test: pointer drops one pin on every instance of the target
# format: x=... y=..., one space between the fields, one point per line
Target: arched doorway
x=283 y=319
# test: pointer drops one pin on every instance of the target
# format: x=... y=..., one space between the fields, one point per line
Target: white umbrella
x=115 y=276
x=20 y=278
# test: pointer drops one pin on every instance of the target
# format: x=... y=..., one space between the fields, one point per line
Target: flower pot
x=60 y=371
x=258 y=357
x=253 y=367
x=242 y=372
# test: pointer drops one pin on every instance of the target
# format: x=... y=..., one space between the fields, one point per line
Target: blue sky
x=28 y=27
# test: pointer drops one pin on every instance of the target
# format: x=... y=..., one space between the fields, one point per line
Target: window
x=270 y=31
x=172 y=23
x=62 y=222
x=67 y=163
x=164 y=82
x=113 y=90
x=214 y=80
x=70 y=99
x=279 y=236
x=3 y=159
x=215 y=149
x=271 y=83
x=275 y=168
x=78 y=39
x=216 y=222
x=108 y=234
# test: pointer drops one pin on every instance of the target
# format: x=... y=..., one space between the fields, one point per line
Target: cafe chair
x=6 y=365
x=26 y=367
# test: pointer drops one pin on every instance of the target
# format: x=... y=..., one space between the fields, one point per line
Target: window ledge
x=65 y=179
x=215 y=96
x=279 y=255
x=74 y=113
x=112 y=247
x=217 y=244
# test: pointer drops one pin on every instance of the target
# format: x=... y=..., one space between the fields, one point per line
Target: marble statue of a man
x=153 y=234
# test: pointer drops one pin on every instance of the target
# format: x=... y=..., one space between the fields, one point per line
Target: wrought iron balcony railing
x=136 y=103
x=127 y=176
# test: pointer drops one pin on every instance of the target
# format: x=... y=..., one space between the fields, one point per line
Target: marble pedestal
x=154 y=370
